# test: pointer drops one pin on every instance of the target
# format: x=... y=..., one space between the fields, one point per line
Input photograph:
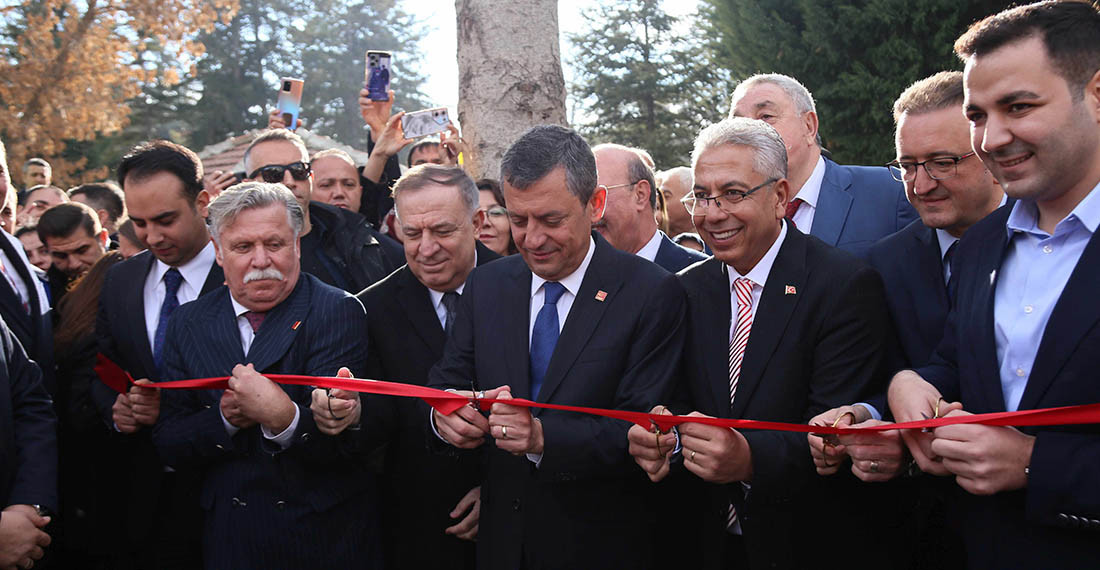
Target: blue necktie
x=172 y=281
x=544 y=337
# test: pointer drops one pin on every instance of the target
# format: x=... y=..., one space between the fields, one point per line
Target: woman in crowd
x=495 y=232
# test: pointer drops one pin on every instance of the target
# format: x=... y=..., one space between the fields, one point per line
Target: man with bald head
x=850 y=207
x=628 y=221
x=675 y=183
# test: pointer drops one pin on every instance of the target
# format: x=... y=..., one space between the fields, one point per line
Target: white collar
x=759 y=273
x=194 y=272
x=571 y=282
x=649 y=250
x=812 y=188
x=946 y=241
x=437 y=296
x=238 y=309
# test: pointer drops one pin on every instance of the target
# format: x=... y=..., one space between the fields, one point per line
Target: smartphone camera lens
x=286 y=86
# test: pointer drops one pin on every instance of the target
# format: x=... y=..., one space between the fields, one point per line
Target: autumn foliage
x=67 y=68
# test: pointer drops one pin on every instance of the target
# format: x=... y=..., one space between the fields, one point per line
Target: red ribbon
x=447 y=402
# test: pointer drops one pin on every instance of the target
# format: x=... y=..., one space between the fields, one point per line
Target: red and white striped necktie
x=742 y=289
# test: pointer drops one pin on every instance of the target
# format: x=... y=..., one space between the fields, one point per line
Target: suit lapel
x=927 y=273
x=775 y=310
x=833 y=203
x=981 y=307
x=713 y=313
x=11 y=296
x=416 y=302
x=134 y=286
x=1075 y=313
x=214 y=279
x=280 y=327
x=584 y=317
x=513 y=309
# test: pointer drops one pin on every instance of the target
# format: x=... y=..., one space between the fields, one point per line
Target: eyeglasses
x=613 y=186
x=497 y=212
x=939 y=168
x=273 y=173
x=697 y=204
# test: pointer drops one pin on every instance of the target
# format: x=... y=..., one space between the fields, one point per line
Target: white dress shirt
x=572 y=284
x=809 y=193
x=247 y=335
x=758 y=275
x=194 y=274
x=649 y=250
x=20 y=286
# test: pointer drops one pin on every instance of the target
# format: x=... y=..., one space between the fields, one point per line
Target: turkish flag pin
x=294 y=327
x=790 y=290
x=601 y=295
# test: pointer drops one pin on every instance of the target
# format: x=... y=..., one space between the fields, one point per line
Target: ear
x=596 y=204
x=1092 y=94
x=479 y=219
x=202 y=203
x=642 y=190
x=782 y=191
x=104 y=217
x=217 y=253
x=809 y=120
x=104 y=238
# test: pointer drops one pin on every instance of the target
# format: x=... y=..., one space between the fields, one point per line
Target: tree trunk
x=510 y=76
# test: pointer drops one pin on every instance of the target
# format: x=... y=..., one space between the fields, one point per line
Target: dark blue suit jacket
x=673 y=258
x=587 y=504
x=304 y=507
x=859 y=205
x=1054 y=521
x=28 y=430
x=34 y=331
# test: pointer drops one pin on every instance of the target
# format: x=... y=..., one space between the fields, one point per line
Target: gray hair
x=248 y=196
x=771 y=153
x=275 y=135
x=544 y=148
x=802 y=98
x=424 y=175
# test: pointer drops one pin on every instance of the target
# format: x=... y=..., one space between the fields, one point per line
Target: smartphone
x=423 y=123
x=290 y=100
x=378 y=75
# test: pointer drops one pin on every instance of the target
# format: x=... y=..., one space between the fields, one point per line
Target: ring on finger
x=692 y=456
x=874 y=467
x=504 y=432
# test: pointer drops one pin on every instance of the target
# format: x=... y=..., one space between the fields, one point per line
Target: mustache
x=263 y=274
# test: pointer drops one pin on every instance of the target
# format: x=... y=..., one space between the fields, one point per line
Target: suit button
x=515 y=505
x=281 y=505
x=238 y=503
x=207 y=406
x=305 y=437
x=219 y=446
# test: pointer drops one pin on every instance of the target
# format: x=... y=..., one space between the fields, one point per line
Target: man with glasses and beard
x=337 y=245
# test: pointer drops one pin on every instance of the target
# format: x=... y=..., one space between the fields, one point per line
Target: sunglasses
x=273 y=173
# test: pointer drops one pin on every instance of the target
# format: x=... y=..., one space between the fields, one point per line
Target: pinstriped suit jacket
x=307 y=506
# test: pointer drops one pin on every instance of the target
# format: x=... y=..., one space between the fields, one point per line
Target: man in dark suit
x=164 y=195
x=850 y=207
x=339 y=247
x=24 y=305
x=781 y=327
x=1022 y=333
x=28 y=456
x=276 y=491
x=573 y=321
x=431 y=499
x=628 y=221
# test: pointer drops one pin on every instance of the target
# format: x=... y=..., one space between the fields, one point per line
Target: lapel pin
x=601 y=295
x=294 y=327
x=992 y=276
x=790 y=290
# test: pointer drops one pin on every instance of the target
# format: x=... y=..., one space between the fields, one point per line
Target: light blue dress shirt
x=1035 y=270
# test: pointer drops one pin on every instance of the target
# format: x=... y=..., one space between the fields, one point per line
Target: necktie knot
x=792 y=207
x=172 y=281
x=743 y=287
x=450 y=307
x=255 y=319
x=552 y=291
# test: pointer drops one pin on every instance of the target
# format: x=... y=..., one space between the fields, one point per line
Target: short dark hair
x=62 y=220
x=940 y=91
x=26 y=230
x=36 y=162
x=27 y=193
x=105 y=196
x=1070 y=31
x=417 y=147
x=544 y=148
x=420 y=176
x=154 y=157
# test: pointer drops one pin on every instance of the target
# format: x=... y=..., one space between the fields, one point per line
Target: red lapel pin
x=601 y=295
x=790 y=290
x=294 y=327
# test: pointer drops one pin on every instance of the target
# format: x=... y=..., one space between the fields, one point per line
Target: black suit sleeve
x=35 y=425
x=103 y=397
x=851 y=357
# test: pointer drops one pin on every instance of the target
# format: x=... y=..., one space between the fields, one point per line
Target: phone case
x=423 y=123
x=378 y=75
x=290 y=100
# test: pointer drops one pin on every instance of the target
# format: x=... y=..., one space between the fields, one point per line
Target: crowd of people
x=763 y=281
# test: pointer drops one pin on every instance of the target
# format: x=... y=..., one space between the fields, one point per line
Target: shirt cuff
x=283 y=439
x=229 y=428
x=875 y=415
x=535 y=458
x=431 y=422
